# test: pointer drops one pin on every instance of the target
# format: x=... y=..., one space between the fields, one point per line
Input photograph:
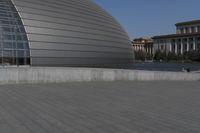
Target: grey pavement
x=101 y=107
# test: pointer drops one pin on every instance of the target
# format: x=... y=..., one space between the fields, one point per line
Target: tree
x=172 y=56
x=159 y=55
x=140 y=55
x=193 y=55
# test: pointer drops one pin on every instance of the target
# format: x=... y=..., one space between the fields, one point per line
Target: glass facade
x=14 y=48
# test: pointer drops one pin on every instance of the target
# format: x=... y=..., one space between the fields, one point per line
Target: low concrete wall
x=58 y=75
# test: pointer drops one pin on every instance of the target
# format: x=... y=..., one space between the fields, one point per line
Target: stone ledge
x=68 y=74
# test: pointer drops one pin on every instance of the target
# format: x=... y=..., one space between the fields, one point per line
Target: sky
x=146 y=18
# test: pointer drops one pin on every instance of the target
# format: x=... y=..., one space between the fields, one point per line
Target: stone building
x=143 y=44
x=187 y=38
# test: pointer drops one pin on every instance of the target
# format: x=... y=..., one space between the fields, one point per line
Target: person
x=188 y=69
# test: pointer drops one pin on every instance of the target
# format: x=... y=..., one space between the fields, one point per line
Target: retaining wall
x=59 y=75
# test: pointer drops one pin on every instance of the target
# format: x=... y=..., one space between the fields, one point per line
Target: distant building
x=187 y=38
x=143 y=44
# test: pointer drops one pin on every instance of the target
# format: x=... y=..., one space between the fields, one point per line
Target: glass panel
x=20 y=53
x=20 y=45
x=8 y=57
x=19 y=37
x=8 y=53
x=8 y=45
x=13 y=40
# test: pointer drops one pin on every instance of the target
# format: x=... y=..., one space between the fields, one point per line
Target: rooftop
x=188 y=23
x=176 y=35
x=143 y=40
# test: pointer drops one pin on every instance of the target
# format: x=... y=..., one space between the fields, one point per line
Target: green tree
x=194 y=55
x=159 y=55
x=171 y=56
x=140 y=55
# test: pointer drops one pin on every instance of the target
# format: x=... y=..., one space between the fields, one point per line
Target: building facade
x=143 y=44
x=60 y=33
x=187 y=38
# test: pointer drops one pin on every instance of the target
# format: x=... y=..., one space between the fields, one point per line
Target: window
x=21 y=53
x=198 y=28
x=20 y=45
x=198 y=46
x=191 y=47
x=193 y=29
x=19 y=37
x=185 y=47
x=173 y=47
x=191 y=39
x=8 y=45
x=182 y=31
x=162 y=47
x=186 y=30
x=14 y=48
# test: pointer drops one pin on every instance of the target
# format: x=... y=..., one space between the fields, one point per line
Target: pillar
x=176 y=47
x=194 y=43
x=181 y=46
x=188 y=45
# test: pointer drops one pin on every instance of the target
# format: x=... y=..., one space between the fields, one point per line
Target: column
x=188 y=45
x=176 y=47
x=181 y=45
x=194 y=43
x=170 y=47
x=184 y=30
x=143 y=48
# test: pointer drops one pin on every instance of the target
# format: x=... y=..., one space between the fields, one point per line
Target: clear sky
x=151 y=17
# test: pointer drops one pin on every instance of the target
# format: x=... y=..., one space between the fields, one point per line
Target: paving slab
x=101 y=107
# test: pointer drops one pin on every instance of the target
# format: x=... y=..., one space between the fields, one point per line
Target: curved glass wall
x=14 y=48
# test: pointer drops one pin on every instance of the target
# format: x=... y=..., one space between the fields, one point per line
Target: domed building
x=60 y=33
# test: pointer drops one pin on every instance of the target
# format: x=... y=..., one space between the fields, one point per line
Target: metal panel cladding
x=72 y=33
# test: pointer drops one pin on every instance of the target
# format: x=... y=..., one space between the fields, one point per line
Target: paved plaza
x=101 y=107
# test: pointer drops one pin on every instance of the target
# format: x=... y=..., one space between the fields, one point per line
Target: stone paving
x=101 y=107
